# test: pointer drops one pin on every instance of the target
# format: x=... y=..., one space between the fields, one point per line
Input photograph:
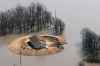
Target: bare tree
x=34 y=18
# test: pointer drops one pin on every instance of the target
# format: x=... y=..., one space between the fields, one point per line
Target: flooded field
x=70 y=56
x=77 y=14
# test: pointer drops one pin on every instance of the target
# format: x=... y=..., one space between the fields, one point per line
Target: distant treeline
x=34 y=18
x=90 y=46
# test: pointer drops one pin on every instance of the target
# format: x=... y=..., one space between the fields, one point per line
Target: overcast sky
x=76 y=14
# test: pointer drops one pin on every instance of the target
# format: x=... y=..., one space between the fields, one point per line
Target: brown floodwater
x=70 y=56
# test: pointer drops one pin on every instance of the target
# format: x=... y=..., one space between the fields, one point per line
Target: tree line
x=90 y=46
x=34 y=18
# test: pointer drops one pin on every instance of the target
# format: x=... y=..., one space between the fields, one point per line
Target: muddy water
x=69 y=57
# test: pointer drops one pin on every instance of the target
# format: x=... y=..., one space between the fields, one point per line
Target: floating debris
x=36 y=45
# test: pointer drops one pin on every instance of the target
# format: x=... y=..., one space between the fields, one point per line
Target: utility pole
x=14 y=65
x=54 y=30
x=20 y=58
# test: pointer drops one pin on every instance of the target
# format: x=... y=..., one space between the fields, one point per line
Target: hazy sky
x=76 y=14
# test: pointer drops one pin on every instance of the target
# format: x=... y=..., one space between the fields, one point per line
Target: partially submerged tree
x=90 y=46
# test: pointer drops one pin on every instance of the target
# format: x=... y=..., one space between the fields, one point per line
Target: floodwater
x=70 y=56
x=77 y=14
